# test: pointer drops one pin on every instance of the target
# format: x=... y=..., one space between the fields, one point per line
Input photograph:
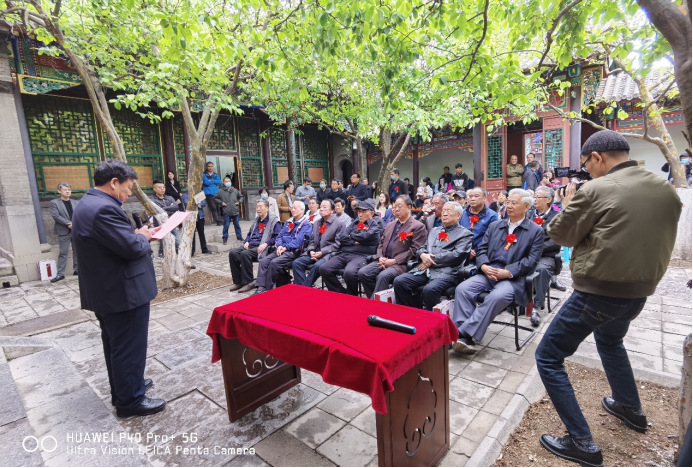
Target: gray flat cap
x=605 y=140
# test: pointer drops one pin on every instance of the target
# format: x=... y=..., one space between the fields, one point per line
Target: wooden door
x=495 y=162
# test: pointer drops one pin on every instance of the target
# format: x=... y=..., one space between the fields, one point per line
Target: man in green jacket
x=622 y=226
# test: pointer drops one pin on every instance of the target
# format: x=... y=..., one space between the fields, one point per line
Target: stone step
x=6 y=268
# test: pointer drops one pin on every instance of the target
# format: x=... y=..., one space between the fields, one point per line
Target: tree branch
x=554 y=26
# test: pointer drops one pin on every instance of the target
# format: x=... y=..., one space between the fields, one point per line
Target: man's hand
x=386 y=263
x=223 y=204
x=490 y=272
x=178 y=201
x=280 y=250
x=236 y=203
x=569 y=193
x=315 y=255
x=503 y=274
x=426 y=261
x=472 y=253
x=69 y=225
x=147 y=232
x=245 y=246
x=260 y=248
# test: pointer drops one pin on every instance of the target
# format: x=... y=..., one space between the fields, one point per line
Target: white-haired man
x=290 y=242
x=511 y=250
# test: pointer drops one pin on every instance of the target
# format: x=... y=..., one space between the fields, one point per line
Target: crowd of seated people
x=416 y=249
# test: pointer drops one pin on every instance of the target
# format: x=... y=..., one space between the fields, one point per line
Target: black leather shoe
x=259 y=291
x=557 y=286
x=535 y=320
x=635 y=420
x=564 y=447
x=57 y=278
x=148 y=406
x=148 y=384
x=236 y=287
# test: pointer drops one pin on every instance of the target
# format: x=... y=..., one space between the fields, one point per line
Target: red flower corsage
x=261 y=227
x=311 y=218
x=510 y=239
x=442 y=235
x=403 y=236
x=539 y=220
x=322 y=228
x=291 y=227
x=361 y=227
x=472 y=221
x=396 y=189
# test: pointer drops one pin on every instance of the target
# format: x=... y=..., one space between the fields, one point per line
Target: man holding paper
x=117 y=282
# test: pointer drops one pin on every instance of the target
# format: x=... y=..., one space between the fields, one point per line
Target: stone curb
x=661 y=378
x=530 y=391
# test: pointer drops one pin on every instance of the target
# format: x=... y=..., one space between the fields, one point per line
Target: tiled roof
x=621 y=87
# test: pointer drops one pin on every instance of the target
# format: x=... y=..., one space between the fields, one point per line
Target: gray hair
x=64 y=184
x=301 y=204
x=458 y=208
x=527 y=198
x=547 y=190
x=265 y=202
x=442 y=196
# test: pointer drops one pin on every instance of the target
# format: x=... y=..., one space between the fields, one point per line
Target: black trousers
x=124 y=338
x=407 y=284
x=351 y=263
x=241 y=262
x=214 y=208
x=200 y=228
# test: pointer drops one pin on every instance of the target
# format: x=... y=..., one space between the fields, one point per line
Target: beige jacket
x=623 y=228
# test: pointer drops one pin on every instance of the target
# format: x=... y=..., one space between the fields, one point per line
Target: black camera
x=571 y=173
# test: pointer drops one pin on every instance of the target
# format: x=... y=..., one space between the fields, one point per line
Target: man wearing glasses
x=622 y=226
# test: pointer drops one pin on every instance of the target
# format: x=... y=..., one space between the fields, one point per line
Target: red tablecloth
x=327 y=333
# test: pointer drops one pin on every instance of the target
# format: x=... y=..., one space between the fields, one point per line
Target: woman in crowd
x=383 y=204
x=514 y=172
x=550 y=181
x=428 y=186
x=173 y=189
x=273 y=209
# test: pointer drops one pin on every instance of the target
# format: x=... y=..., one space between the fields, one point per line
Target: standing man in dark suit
x=397 y=186
x=324 y=241
x=356 y=192
x=511 y=250
x=62 y=210
x=117 y=283
x=401 y=239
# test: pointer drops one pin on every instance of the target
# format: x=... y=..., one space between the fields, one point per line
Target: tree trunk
x=362 y=162
x=674 y=22
x=682 y=247
x=390 y=159
x=685 y=393
x=292 y=161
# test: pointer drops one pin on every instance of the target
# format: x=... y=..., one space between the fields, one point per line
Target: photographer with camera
x=622 y=226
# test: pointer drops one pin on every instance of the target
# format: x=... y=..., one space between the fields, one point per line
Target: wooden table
x=414 y=432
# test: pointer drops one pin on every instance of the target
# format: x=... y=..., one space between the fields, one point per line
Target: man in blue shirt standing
x=210 y=186
x=477 y=217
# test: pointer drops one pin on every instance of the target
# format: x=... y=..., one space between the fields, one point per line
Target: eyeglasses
x=582 y=165
x=540 y=197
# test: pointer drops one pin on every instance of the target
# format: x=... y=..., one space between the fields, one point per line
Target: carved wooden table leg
x=416 y=429
x=252 y=378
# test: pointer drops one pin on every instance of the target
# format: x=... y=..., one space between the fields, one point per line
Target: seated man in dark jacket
x=445 y=251
x=256 y=245
x=541 y=214
x=290 y=242
x=510 y=251
x=325 y=241
x=401 y=239
x=359 y=240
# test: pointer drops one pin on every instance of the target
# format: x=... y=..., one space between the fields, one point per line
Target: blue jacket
x=298 y=237
x=210 y=185
x=486 y=217
x=116 y=273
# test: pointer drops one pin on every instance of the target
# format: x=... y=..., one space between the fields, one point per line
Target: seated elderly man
x=441 y=256
x=401 y=239
x=324 y=241
x=256 y=245
x=510 y=251
x=477 y=217
x=541 y=214
x=290 y=242
x=339 y=206
x=359 y=240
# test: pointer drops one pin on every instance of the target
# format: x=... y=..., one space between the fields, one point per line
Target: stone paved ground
x=54 y=383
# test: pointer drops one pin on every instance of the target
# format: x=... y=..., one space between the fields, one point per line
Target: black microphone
x=375 y=321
